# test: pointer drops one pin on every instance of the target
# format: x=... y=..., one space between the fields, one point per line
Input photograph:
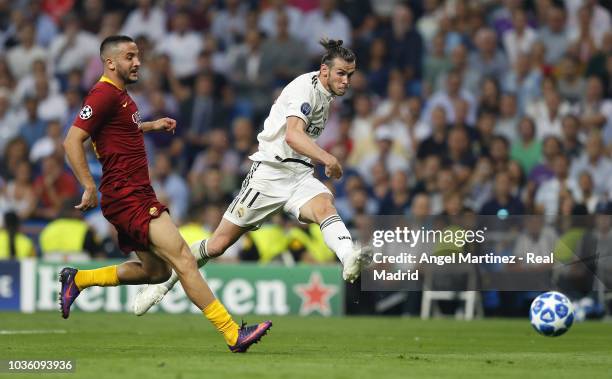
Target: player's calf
x=353 y=257
x=160 y=276
x=150 y=295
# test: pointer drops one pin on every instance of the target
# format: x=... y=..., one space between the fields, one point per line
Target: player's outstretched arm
x=73 y=144
x=297 y=139
x=163 y=124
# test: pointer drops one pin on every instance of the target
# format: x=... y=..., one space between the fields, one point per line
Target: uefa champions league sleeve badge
x=86 y=112
x=305 y=108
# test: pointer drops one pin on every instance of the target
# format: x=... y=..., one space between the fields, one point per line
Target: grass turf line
x=185 y=346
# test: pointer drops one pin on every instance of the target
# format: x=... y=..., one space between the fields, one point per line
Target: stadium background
x=487 y=107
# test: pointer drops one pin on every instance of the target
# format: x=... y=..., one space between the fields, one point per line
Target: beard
x=334 y=89
x=125 y=76
x=331 y=87
x=336 y=92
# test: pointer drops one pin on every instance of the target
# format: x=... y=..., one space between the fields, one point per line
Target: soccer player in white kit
x=282 y=172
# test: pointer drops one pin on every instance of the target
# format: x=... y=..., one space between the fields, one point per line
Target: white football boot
x=148 y=296
x=359 y=258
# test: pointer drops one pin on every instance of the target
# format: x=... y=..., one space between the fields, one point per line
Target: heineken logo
x=315 y=295
x=243 y=289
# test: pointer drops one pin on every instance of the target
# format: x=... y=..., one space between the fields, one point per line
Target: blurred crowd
x=490 y=107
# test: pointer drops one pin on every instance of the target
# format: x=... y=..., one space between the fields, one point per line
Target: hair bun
x=334 y=49
x=330 y=44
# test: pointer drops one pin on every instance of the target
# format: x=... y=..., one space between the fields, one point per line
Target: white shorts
x=270 y=186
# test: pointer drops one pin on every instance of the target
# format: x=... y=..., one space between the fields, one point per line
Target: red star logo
x=315 y=295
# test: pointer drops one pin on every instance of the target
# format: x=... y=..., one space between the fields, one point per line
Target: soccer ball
x=551 y=314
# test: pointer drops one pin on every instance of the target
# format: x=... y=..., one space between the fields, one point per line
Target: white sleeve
x=54 y=49
x=164 y=46
x=540 y=195
x=130 y=26
x=301 y=101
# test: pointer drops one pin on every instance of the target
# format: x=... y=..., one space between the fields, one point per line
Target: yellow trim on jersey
x=95 y=148
x=107 y=80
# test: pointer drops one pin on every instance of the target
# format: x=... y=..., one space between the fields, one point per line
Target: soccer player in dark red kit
x=110 y=118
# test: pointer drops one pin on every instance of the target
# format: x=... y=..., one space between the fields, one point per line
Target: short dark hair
x=334 y=49
x=503 y=140
x=111 y=41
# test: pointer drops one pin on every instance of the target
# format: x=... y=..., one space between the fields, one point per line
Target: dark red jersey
x=111 y=118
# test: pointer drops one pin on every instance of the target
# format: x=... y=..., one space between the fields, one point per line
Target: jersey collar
x=108 y=80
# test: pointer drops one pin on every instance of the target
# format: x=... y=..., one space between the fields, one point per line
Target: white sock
x=337 y=236
x=201 y=257
x=171 y=282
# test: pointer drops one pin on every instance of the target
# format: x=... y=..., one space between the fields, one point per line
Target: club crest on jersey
x=305 y=109
x=86 y=112
x=136 y=118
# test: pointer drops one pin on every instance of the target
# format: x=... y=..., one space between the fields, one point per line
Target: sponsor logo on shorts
x=86 y=112
x=305 y=109
x=344 y=238
x=153 y=211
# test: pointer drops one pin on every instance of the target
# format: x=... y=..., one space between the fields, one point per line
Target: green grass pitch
x=171 y=346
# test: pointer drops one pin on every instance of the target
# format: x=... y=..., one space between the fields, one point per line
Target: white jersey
x=306 y=98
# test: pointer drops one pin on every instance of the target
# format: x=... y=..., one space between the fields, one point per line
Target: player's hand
x=167 y=124
x=333 y=169
x=89 y=199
